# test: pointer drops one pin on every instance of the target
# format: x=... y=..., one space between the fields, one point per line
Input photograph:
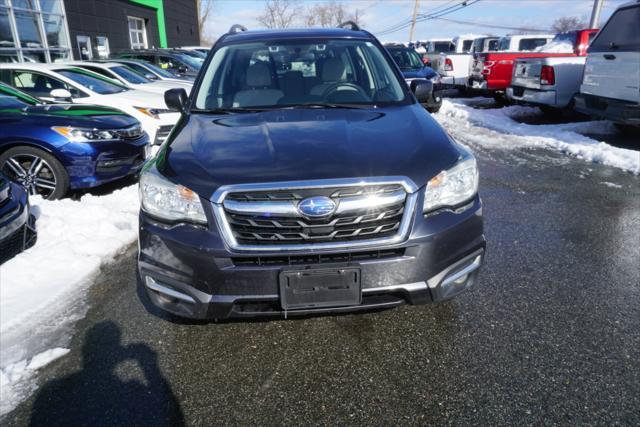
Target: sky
x=380 y=15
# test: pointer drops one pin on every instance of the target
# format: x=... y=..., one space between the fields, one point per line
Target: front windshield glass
x=288 y=73
x=21 y=96
x=191 y=61
x=130 y=75
x=11 y=103
x=159 y=71
x=407 y=59
x=92 y=82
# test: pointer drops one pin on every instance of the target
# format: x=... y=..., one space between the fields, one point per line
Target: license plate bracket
x=318 y=288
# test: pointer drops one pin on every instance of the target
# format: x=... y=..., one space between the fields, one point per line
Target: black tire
x=433 y=109
x=51 y=180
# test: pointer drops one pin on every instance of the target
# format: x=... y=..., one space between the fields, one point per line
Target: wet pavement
x=549 y=335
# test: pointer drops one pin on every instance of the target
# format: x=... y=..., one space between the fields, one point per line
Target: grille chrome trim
x=226 y=232
x=289 y=208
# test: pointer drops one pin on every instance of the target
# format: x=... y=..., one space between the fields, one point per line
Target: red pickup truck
x=491 y=71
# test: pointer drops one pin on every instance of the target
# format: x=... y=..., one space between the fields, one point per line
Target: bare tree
x=330 y=14
x=568 y=23
x=279 y=13
x=204 y=9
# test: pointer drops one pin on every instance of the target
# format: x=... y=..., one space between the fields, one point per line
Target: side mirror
x=176 y=99
x=422 y=89
x=182 y=69
x=61 y=94
x=151 y=76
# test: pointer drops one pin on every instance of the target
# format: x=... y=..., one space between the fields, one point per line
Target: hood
x=93 y=116
x=295 y=145
x=424 y=73
x=140 y=98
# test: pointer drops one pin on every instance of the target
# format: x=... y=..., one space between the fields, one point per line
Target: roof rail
x=350 y=25
x=237 y=28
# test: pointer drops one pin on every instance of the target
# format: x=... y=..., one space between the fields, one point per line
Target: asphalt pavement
x=550 y=334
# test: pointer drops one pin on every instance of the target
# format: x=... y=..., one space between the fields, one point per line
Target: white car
x=59 y=82
x=611 y=82
x=152 y=71
x=130 y=78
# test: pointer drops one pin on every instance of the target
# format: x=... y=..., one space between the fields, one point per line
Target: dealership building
x=59 y=30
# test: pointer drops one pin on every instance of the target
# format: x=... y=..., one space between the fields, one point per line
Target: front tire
x=37 y=171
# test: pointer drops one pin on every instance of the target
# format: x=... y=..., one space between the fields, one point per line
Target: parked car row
x=593 y=72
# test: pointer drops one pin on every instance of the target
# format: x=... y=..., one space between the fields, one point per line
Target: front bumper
x=93 y=164
x=17 y=225
x=623 y=112
x=188 y=271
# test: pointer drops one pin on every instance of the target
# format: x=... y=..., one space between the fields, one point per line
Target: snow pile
x=41 y=285
x=14 y=378
x=558 y=46
x=496 y=128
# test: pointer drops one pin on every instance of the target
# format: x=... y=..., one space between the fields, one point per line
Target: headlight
x=153 y=112
x=454 y=186
x=85 y=134
x=166 y=200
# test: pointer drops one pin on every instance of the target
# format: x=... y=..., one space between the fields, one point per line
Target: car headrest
x=332 y=70
x=259 y=75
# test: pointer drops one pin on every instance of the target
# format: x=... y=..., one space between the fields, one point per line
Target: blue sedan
x=52 y=148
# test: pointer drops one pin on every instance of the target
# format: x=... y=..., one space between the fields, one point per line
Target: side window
x=621 y=32
x=531 y=44
x=40 y=85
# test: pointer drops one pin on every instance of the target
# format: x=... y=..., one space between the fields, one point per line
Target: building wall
x=181 y=18
x=109 y=18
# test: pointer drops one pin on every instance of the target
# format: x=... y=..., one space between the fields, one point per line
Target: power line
x=405 y=22
x=426 y=17
x=484 y=24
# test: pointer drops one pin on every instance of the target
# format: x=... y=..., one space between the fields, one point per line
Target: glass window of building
x=137 y=33
x=33 y=31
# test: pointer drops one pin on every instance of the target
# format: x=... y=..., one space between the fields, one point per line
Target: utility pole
x=416 y=7
x=595 y=14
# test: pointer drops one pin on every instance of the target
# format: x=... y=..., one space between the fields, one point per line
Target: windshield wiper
x=227 y=110
x=318 y=105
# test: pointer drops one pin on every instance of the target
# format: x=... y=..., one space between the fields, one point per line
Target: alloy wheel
x=33 y=173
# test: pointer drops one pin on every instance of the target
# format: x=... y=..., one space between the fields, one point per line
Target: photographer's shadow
x=96 y=396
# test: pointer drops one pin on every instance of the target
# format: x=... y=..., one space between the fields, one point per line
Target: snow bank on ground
x=14 y=376
x=40 y=285
x=496 y=128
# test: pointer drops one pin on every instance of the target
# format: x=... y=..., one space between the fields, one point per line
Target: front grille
x=363 y=213
x=308 y=259
x=162 y=134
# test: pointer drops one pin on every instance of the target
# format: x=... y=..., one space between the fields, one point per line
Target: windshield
x=130 y=75
x=11 y=103
x=191 y=61
x=407 y=59
x=92 y=82
x=157 y=70
x=16 y=94
x=281 y=73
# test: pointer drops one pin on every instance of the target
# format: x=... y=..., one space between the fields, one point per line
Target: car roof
x=96 y=63
x=295 y=33
x=36 y=65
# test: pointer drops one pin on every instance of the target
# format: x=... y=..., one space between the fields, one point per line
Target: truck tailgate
x=526 y=73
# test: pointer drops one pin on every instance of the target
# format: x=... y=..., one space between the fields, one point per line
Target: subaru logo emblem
x=317 y=207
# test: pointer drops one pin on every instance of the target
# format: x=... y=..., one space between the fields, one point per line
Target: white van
x=611 y=82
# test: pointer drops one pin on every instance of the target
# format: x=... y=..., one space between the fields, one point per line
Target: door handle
x=609 y=57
